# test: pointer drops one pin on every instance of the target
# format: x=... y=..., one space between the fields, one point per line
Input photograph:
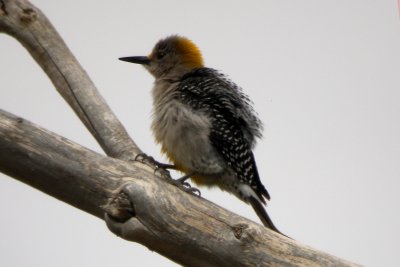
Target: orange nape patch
x=191 y=54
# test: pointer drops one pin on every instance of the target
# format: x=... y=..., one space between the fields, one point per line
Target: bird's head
x=170 y=58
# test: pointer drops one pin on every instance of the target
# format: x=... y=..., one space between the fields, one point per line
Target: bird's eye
x=160 y=54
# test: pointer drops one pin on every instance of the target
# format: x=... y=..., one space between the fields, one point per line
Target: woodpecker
x=204 y=122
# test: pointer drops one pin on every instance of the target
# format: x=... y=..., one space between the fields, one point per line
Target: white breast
x=183 y=132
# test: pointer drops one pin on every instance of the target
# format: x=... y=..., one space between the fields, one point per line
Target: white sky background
x=325 y=79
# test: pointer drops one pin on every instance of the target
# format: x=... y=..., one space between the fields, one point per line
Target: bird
x=205 y=123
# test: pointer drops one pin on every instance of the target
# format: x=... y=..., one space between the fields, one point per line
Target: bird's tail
x=262 y=214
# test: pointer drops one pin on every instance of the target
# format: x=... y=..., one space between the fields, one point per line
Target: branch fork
x=139 y=206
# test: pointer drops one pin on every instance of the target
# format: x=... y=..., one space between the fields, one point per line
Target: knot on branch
x=120 y=207
x=238 y=230
x=245 y=233
x=28 y=15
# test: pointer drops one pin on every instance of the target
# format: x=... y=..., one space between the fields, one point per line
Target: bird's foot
x=185 y=186
x=181 y=182
x=144 y=158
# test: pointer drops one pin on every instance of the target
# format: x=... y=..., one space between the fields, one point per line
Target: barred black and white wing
x=231 y=114
x=214 y=89
x=234 y=128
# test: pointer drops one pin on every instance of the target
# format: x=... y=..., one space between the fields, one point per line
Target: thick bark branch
x=31 y=28
x=185 y=228
x=54 y=165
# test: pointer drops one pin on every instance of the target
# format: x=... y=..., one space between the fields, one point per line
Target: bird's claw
x=181 y=182
x=143 y=157
x=185 y=186
x=159 y=167
x=193 y=190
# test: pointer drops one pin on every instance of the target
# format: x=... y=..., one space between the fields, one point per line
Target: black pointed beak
x=137 y=60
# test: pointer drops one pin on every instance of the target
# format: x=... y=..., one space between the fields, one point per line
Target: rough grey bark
x=30 y=27
x=185 y=228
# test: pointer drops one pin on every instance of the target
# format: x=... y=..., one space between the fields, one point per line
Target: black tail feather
x=263 y=215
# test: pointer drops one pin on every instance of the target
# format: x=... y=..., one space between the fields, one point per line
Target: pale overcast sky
x=324 y=77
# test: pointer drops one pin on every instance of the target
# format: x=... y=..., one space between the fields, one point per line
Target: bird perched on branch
x=204 y=122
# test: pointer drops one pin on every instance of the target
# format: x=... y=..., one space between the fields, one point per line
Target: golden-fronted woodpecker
x=204 y=122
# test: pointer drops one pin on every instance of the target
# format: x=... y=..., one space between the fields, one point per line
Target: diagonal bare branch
x=32 y=29
x=184 y=228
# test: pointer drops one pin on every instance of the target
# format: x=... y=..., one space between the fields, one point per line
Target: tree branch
x=182 y=227
x=32 y=29
x=185 y=228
